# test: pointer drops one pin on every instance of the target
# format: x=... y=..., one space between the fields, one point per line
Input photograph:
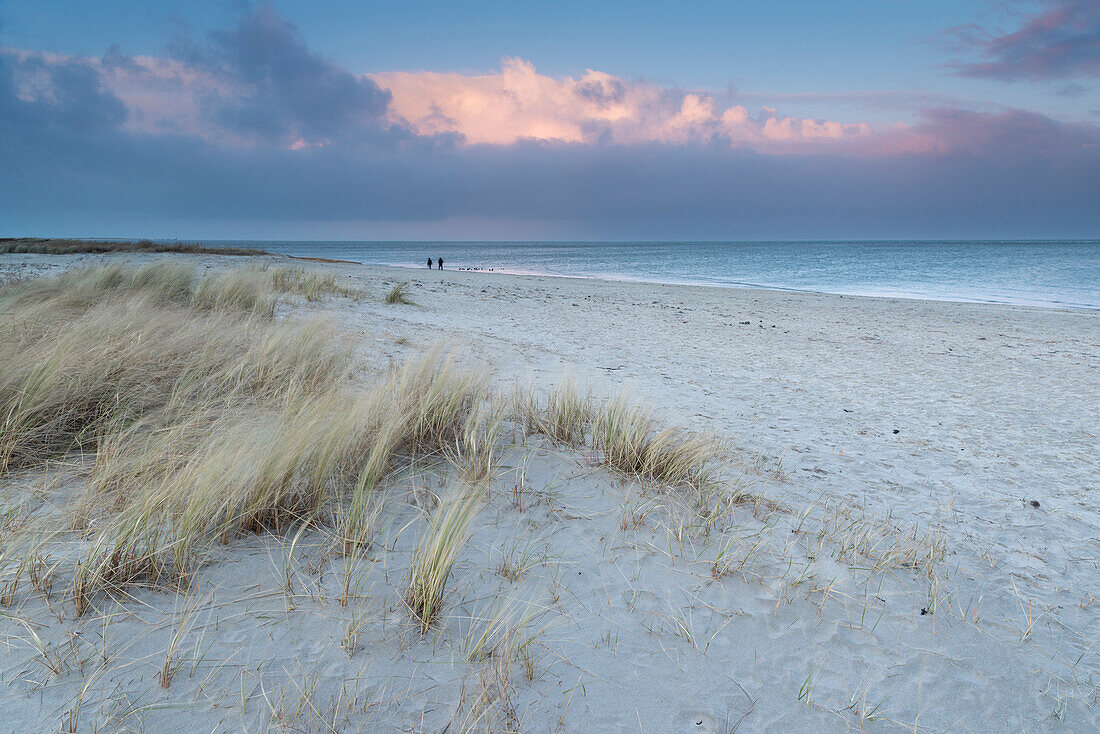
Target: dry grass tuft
x=564 y=416
x=435 y=555
x=206 y=418
x=235 y=290
x=475 y=452
x=625 y=439
x=99 y=353
x=80 y=288
x=399 y=294
x=503 y=630
x=310 y=284
x=45 y=246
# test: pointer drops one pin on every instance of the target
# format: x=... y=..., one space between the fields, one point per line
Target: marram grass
x=207 y=418
x=436 y=552
x=399 y=294
x=625 y=438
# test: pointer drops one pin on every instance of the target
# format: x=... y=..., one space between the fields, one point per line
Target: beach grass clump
x=313 y=285
x=239 y=289
x=248 y=471
x=475 y=452
x=425 y=408
x=435 y=556
x=204 y=416
x=266 y=455
x=207 y=422
x=431 y=400
x=399 y=294
x=63 y=387
x=82 y=287
x=63 y=246
x=86 y=354
x=259 y=444
x=626 y=440
x=252 y=468
x=564 y=416
x=503 y=630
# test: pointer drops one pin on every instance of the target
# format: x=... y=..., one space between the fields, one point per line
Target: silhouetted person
x=440 y=261
x=429 y=263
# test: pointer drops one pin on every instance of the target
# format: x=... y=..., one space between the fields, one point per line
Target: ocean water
x=1062 y=274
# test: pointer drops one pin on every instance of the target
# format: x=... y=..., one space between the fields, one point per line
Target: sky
x=884 y=119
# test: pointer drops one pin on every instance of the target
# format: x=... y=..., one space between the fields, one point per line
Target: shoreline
x=233 y=248
x=211 y=258
x=745 y=287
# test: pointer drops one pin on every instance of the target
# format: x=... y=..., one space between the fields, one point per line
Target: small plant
x=350 y=642
x=171 y=655
x=475 y=451
x=399 y=294
x=49 y=657
x=9 y=583
x=40 y=571
x=626 y=440
x=503 y=634
x=564 y=417
x=806 y=689
x=311 y=284
x=435 y=556
x=517 y=561
x=519 y=488
x=354 y=541
x=726 y=561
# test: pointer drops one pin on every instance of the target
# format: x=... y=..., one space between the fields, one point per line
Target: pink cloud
x=518 y=103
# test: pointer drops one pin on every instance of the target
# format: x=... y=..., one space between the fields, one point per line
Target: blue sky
x=805 y=95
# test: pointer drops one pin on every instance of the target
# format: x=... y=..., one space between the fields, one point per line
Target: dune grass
x=564 y=415
x=253 y=466
x=474 y=453
x=73 y=366
x=436 y=552
x=312 y=285
x=622 y=436
x=235 y=290
x=80 y=288
x=207 y=419
x=65 y=246
x=399 y=294
x=626 y=439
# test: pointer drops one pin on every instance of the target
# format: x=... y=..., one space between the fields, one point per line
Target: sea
x=1056 y=273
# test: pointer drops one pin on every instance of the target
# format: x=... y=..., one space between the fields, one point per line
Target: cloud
x=251 y=126
x=1006 y=135
x=518 y=103
x=644 y=191
x=1062 y=41
x=59 y=93
x=260 y=84
x=264 y=83
x=255 y=83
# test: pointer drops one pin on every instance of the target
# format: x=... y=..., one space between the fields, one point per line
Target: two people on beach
x=439 y=260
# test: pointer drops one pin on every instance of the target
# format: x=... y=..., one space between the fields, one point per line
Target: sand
x=880 y=431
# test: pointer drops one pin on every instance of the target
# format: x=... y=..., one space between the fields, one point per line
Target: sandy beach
x=920 y=550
